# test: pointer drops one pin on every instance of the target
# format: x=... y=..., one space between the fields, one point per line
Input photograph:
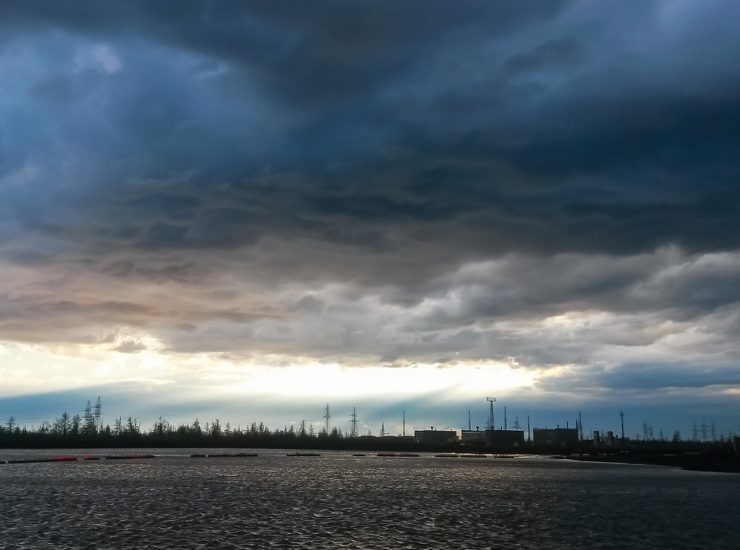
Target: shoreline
x=717 y=463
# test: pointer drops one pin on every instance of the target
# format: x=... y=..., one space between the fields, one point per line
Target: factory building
x=600 y=441
x=555 y=437
x=505 y=439
x=473 y=437
x=435 y=437
x=494 y=439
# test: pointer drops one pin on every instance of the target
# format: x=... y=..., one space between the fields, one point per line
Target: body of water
x=341 y=501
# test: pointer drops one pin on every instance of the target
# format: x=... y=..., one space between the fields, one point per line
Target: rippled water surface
x=340 y=501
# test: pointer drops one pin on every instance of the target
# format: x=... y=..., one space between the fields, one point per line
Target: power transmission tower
x=491 y=420
x=88 y=422
x=326 y=417
x=353 y=420
x=98 y=415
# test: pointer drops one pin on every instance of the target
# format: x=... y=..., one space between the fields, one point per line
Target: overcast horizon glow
x=206 y=204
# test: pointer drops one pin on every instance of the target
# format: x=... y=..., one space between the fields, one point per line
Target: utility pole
x=491 y=422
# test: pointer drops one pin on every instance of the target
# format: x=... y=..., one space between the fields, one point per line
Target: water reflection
x=344 y=501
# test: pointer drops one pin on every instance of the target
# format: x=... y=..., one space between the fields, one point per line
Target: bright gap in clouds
x=37 y=368
x=460 y=380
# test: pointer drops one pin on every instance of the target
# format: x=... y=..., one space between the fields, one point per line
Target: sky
x=249 y=210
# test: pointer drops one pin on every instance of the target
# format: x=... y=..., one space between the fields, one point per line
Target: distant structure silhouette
x=353 y=420
x=327 y=417
x=491 y=422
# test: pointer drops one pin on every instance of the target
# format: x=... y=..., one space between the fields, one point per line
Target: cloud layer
x=550 y=185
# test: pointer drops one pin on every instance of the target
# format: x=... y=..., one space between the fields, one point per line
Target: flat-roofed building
x=505 y=439
x=555 y=437
x=473 y=437
x=435 y=437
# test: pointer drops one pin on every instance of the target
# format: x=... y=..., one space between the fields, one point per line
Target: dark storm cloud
x=317 y=52
x=558 y=54
x=640 y=377
x=385 y=180
x=393 y=114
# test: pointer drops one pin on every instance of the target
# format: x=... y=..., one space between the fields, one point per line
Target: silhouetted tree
x=62 y=425
x=75 y=430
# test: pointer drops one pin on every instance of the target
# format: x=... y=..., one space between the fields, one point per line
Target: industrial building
x=608 y=441
x=555 y=437
x=473 y=437
x=494 y=439
x=505 y=439
x=435 y=437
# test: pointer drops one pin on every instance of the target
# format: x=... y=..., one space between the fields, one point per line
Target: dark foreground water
x=340 y=501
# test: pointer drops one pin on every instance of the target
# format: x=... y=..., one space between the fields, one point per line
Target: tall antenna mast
x=404 y=422
x=470 y=426
x=621 y=416
x=491 y=423
x=327 y=416
x=506 y=422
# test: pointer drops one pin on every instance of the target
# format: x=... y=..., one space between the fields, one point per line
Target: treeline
x=84 y=432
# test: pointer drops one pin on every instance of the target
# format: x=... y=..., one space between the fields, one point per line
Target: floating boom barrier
x=224 y=455
x=399 y=455
x=72 y=458
x=36 y=460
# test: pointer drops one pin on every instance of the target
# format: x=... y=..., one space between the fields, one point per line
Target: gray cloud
x=376 y=182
